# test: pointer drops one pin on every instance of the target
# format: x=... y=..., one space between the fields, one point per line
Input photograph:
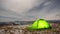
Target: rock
x=22 y=29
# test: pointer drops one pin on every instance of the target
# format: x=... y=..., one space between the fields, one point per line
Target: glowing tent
x=40 y=24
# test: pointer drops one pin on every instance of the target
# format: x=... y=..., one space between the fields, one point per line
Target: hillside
x=21 y=29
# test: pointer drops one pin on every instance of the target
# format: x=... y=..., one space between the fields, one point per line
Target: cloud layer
x=24 y=10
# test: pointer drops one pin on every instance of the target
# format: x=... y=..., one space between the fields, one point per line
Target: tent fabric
x=40 y=24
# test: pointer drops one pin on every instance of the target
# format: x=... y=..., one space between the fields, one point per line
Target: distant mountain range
x=25 y=22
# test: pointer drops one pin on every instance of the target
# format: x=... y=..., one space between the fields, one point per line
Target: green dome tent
x=40 y=24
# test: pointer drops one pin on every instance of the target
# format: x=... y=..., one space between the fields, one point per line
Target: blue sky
x=28 y=10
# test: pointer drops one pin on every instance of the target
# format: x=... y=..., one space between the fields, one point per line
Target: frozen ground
x=21 y=29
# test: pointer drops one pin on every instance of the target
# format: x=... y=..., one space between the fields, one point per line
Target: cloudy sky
x=28 y=10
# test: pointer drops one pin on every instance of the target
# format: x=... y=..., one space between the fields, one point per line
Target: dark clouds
x=35 y=9
x=49 y=8
x=40 y=6
x=51 y=4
